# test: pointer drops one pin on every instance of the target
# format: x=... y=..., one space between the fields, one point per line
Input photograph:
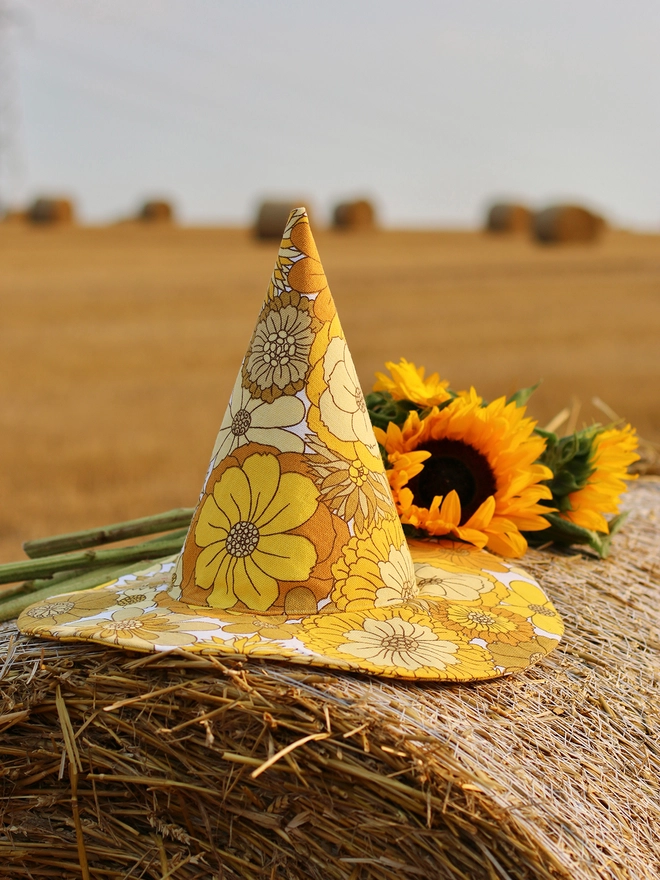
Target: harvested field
x=119 y=346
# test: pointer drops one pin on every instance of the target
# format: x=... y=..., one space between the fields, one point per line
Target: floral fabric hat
x=296 y=551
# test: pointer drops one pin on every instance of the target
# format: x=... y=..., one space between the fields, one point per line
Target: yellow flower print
x=131 y=624
x=398 y=642
x=529 y=601
x=455 y=556
x=349 y=488
x=286 y=257
x=490 y=624
x=244 y=527
x=254 y=645
x=374 y=569
x=306 y=275
x=69 y=606
x=512 y=658
x=251 y=420
x=342 y=407
x=436 y=583
x=277 y=362
x=272 y=627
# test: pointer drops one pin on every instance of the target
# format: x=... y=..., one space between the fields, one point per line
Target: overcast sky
x=430 y=107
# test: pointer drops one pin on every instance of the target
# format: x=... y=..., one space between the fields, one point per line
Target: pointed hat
x=295 y=550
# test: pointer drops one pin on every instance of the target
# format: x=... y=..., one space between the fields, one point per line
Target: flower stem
x=12 y=607
x=90 y=559
x=134 y=528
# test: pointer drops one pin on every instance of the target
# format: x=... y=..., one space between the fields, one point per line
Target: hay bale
x=15 y=218
x=51 y=211
x=567 y=223
x=272 y=217
x=356 y=215
x=140 y=765
x=156 y=211
x=509 y=217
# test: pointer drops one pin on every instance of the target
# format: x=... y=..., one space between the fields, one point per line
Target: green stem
x=13 y=607
x=50 y=565
x=134 y=528
x=32 y=585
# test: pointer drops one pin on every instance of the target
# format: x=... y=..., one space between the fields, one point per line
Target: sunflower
x=612 y=451
x=469 y=471
x=408 y=383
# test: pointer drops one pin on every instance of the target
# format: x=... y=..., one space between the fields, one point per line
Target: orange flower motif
x=469 y=471
x=491 y=624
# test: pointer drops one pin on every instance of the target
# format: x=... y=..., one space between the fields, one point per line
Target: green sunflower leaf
x=570 y=459
x=411 y=532
x=521 y=396
x=383 y=409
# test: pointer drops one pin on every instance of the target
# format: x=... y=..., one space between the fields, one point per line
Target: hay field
x=119 y=346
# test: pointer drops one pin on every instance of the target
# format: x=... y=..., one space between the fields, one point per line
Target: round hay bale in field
x=51 y=211
x=272 y=217
x=15 y=218
x=562 y=224
x=357 y=215
x=152 y=765
x=156 y=211
x=508 y=217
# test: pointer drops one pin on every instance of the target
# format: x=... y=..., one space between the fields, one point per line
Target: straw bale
x=156 y=211
x=48 y=211
x=509 y=218
x=357 y=215
x=15 y=217
x=567 y=223
x=272 y=217
x=118 y=765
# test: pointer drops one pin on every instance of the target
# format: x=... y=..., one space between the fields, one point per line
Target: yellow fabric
x=296 y=550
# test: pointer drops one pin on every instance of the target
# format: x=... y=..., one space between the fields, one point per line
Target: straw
x=197 y=767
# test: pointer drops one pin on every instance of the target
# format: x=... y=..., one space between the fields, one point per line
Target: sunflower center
x=241 y=422
x=242 y=539
x=453 y=465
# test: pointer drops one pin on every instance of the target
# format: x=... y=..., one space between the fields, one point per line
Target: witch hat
x=295 y=551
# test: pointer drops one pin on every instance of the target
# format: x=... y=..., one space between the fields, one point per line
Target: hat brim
x=476 y=617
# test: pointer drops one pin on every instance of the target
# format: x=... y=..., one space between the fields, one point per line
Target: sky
x=432 y=108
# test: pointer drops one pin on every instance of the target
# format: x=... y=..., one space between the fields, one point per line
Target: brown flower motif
x=277 y=361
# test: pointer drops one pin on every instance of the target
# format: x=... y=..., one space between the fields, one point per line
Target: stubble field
x=119 y=346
